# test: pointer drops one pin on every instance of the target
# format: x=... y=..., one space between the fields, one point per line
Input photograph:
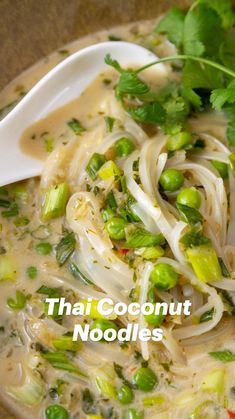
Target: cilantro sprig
x=205 y=42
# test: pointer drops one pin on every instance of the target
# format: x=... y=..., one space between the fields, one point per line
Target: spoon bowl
x=59 y=86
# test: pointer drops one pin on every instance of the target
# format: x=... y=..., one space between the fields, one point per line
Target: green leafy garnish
x=76 y=272
x=152 y=113
x=109 y=121
x=208 y=315
x=190 y=215
x=65 y=248
x=172 y=24
x=76 y=126
x=223 y=356
x=142 y=238
x=19 y=303
x=194 y=238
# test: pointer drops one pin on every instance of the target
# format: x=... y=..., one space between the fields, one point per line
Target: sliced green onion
x=106 y=387
x=60 y=361
x=109 y=170
x=124 y=146
x=142 y=238
x=153 y=400
x=111 y=201
x=19 y=303
x=76 y=126
x=179 y=141
x=205 y=263
x=43 y=248
x=65 y=343
x=109 y=121
x=7 y=268
x=65 y=248
x=95 y=163
x=20 y=191
x=13 y=211
x=5 y=203
x=55 y=201
x=21 y=222
x=214 y=381
x=107 y=214
x=132 y=414
x=149 y=253
x=30 y=393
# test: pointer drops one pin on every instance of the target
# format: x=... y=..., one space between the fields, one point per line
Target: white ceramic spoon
x=62 y=84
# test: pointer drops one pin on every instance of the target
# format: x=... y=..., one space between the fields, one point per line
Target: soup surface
x=135 y=202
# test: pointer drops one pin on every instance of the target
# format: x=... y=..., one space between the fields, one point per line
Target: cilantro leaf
x=113 y=63
x=198 y=75
x=152 y=113
x=189 y=215
x=229 y=111
x=130 y=84
x=223 y=356
x=200 y=26
x=194 y=238
x=220 y=96
x=176 y=111
x=227 y=50
x=223 y=9
x=172 y=24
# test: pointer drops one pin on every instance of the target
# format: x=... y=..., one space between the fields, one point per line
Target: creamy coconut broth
x=54 y=254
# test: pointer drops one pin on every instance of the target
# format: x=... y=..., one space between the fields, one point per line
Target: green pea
x=164 y=276
x=189 y=197
x=125 y=394
x=171 y=180
x=145 y=379
x=103 y=325
x=56 y=411
x=115 y=228
x=131 y=414
x=32 y=272
x=19 y=303
x=155 y=319
x=124 y=146
x=43 y=248
x=221 y=167
x=178 y=141
x=95 y=163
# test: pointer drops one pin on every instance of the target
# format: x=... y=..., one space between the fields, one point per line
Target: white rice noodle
x=144 y=282
x=213 y=299
x=224 y=284
x=173 y=346
x=213 y=155
x=57 y=163
x=231 y=225
x=217 y=144
x=215 y=204
x=178 y=158
x=134 y=129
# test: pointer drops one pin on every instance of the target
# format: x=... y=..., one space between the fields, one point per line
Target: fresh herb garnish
x=142 y=238
x=194 y=238
x=60 y=361
x=190 y=215
x=109 y=122
x=208 y=315
x=223 y=356
x=76 y=126
x=65 y=248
